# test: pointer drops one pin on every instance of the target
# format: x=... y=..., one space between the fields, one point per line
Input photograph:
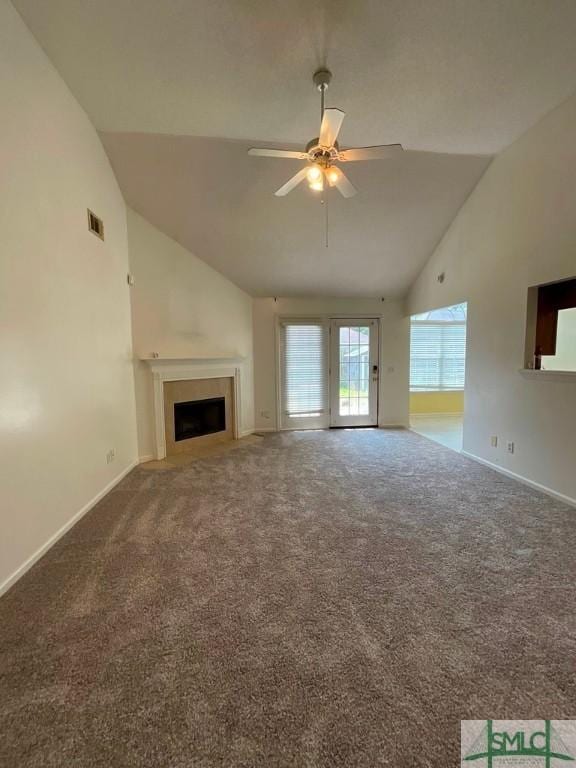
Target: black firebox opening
x=199 y=417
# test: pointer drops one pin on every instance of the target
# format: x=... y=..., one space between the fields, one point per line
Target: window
x=304 y=372
x=438 y=349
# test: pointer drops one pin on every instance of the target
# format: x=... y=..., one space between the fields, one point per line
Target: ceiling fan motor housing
x=322 y=155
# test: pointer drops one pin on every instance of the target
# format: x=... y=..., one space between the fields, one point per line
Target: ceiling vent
x=95 y=225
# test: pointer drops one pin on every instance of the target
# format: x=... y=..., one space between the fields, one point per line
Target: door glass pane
x=354 y=355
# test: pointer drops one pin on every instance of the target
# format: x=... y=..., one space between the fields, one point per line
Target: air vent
x=95 y=225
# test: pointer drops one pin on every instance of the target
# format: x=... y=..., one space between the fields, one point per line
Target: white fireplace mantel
x=182 y=369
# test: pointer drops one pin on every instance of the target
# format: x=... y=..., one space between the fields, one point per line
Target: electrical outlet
x=265 y=414
x=494 y=441
x=510 y=447
x=110 y=456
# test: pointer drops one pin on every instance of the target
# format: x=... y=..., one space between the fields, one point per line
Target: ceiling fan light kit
x=315 y=178
x=323 y=152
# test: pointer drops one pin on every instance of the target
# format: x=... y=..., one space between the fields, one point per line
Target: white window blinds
x=304 y=371
x=437 y=355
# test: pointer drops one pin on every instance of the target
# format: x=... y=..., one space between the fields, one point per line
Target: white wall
x=565 y=357
x=517 y=229
x=66 y=381
x=181 y=307
x=394 y=352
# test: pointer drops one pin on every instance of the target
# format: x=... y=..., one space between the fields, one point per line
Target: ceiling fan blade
x=384 y=152
x=291 y=183
x=289 y=153
x=342 y=183
x=330 y=128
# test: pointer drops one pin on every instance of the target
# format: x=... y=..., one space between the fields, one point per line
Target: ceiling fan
x=323 y=153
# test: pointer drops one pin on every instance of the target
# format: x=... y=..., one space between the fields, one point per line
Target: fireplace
x=199 y=417
x=198 y=413
x=187 y=380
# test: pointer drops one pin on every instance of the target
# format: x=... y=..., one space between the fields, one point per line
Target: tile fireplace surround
x=169 y=369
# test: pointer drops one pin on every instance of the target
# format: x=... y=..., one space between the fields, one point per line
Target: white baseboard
x=265 y=429
x=246 y=432
x=521 y=479
x=144 y=459
x=27 y=564
x=392 y=426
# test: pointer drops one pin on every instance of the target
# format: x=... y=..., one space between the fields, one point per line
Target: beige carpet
x=314 y=599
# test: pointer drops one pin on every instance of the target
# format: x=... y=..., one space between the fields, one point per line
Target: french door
x=353 y=372
x=328 y=372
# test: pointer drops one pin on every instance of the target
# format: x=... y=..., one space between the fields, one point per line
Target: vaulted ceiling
x=212 y=197
x=180 y=90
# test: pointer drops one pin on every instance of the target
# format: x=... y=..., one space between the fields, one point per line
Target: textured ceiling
x=214 y=199
x=440 y=75
x=464 y=77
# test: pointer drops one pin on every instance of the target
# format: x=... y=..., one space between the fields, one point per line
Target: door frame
x=370 y=419
x=327 y=317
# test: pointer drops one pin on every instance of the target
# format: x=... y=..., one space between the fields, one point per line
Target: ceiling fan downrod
x=321 y=79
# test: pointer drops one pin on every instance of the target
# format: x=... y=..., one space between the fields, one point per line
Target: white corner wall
x=394 y=352
x=181 y=307
x=517 y=229
x=66 y=381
